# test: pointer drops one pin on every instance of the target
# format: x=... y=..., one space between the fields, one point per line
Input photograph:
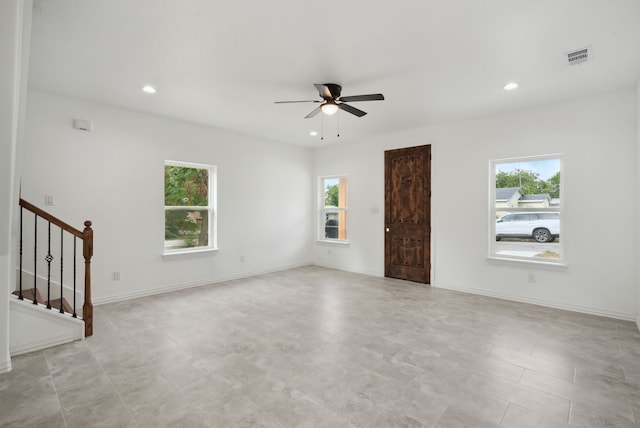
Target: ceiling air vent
x=578 y=57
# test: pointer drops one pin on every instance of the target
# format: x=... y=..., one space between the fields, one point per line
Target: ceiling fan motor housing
x=334 y=91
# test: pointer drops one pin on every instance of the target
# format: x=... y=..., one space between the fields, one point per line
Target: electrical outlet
x=531 y=277
x=241 y=259
x=116 y=276
x=328 y=251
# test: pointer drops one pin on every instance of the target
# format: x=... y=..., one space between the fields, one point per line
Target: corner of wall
x=638 y=201
x=15 y=21
x=5 y=367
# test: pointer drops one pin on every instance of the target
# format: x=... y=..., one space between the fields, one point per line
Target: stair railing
x=86 y=236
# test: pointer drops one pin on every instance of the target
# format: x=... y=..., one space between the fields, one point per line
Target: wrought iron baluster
x=35 y=259
x=75 y=239
x=61 y=268
x=49 y=258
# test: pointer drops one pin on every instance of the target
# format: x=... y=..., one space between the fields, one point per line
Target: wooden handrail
x=87 y=252
x=45 y=215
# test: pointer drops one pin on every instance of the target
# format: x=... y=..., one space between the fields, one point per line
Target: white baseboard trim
x=539 y=302
x=344 y=269
x=43 y=344
x=505 y=296
x=5 y=367
x=183 y=286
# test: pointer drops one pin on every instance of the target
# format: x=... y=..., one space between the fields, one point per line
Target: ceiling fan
x=332 y=101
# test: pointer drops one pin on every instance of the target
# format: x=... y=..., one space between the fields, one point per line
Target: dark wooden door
x=407 y=213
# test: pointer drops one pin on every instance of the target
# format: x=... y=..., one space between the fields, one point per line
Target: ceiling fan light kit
x=332 y=101
x=329 y=108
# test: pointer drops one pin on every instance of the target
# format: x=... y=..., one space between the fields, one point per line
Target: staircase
x=52 y=304
x=46 y=308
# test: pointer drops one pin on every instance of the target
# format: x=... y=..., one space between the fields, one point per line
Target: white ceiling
x=224 y=63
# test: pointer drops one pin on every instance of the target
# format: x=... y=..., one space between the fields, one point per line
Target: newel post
x=87 y=252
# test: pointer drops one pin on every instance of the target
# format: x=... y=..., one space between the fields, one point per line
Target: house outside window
x=333 y=208
x=189 y=207
x=525 y=207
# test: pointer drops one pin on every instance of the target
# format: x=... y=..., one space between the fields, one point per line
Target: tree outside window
x=189 y=208
x=333 y=212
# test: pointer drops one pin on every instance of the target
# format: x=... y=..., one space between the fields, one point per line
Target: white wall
x=113 y=176
x=598 y=138
x=638 y=196
x=365 y=208
x=15 y=27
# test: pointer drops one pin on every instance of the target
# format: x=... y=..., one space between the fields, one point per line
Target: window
x=333 y=211
x=189 y=207
x=526 y=209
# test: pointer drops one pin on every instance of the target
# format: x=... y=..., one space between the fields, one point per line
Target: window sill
x=187 y=253
x=560 y=266
x=332 y=242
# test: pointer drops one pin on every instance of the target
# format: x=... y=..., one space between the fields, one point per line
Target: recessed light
x=313 y=133
x=510 y=86
x=149 y=89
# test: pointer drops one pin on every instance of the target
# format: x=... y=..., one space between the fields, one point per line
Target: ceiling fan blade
x=323 y=91
x=352 y=110
x=369 y=97
x=302 y=101
x=313 y=113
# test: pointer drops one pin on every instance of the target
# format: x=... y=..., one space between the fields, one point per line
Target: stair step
x=55 y=303
x=28 y=295
x=65 y=305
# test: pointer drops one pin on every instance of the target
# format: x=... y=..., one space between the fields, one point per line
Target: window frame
x=323 y=210
x=493 y=255
x=211 y=209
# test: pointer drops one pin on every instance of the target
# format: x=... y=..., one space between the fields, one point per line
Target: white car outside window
x=542 y=226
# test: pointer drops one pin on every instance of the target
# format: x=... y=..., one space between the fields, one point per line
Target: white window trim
x=212 y=209
x=561 y=262
x=322 y=209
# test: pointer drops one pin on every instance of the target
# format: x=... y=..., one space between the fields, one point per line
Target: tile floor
x=314 y=347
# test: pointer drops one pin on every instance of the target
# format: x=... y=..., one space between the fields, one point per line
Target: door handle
x=387 y=229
